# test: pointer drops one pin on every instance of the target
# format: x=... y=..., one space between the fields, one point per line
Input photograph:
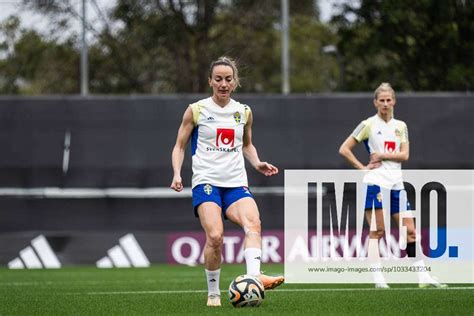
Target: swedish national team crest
x=208 y=189
x=237 y=117
x=379 y=197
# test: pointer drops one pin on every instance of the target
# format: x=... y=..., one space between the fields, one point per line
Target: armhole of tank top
x=196 y=109
x=363 y=126
x=247 y=112
x=370 y=126
x=402 y=127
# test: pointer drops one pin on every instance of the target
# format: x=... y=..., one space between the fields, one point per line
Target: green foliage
x=416 y=45
x=34 y=65
x=235 y=35
x=8 y=72
x=167 y=46
x=46 y=66
x=311 y=69
x=149 y=46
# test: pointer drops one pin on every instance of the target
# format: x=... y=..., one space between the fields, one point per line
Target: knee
x=215 y=239
x=254 y=225
x=379 y=233
x=411 y=235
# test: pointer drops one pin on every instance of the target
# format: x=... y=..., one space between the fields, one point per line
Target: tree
x=151 y=46
x=311 y=69
x=10 y=28
x=34 y=65
x=421 y=45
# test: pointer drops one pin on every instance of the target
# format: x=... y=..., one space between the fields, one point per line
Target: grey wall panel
x=114 y=214
x=127 y=141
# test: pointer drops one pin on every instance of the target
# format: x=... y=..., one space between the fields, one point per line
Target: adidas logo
x=210 y=118
x=258 y=258
x=126 y=254
x=379 y=133
x=37 y=256
x=212 y=280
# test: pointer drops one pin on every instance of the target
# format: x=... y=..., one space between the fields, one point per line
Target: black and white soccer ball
x=246 y=290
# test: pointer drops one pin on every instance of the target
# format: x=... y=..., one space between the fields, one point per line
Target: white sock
x=213 y=282
x=252 y=259
x=378 y=276
x=423 y=275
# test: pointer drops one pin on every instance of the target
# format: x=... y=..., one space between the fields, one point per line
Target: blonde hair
x=384 y=86
x=226 y=61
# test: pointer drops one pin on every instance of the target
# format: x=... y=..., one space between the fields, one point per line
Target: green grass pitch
x=181 y=290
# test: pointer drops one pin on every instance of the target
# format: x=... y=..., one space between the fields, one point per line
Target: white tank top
x=216 y=143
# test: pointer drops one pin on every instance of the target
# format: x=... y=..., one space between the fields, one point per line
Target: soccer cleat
x=432 y=284
x=214 y=300
x=270 y=282
x=382 y=286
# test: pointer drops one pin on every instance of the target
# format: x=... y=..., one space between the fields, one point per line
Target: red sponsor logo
x=225 y=137
x=389 y=147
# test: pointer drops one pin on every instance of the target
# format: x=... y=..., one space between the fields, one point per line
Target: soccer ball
x=246 y=290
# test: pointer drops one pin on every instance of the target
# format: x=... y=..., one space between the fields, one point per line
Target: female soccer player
x=386 y=138
x=220 y=130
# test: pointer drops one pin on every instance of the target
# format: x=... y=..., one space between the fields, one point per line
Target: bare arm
x=346 y=151
x=250 y=152
x=177 y=156
x=401 y=156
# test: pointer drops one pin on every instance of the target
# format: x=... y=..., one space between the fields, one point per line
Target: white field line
x=280 y=290
x=127 y=193
x=50 y=283
x=137 y=193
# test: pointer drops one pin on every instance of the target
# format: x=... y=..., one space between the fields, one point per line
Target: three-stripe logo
x=126 y=254
x=38 y=255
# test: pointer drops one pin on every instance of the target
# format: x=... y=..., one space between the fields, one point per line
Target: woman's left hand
x=376 y=157
x=266 y=168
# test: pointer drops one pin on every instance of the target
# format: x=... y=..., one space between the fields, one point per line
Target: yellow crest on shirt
x=397 y=132
x=237 y=117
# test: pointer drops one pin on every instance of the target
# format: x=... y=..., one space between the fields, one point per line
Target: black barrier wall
x=113 y=142
x=127 y=141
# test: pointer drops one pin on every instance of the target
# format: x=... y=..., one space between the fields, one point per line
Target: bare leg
x=424 y=278
x=211 y=222
x=379 y=224
x=376 y=235
x=409 y=223
x=244 y=213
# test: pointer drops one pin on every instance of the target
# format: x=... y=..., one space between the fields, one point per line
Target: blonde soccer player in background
x=386 y=139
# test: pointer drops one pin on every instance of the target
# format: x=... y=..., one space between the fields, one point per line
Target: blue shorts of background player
x=374 y=200
x=223 y=197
